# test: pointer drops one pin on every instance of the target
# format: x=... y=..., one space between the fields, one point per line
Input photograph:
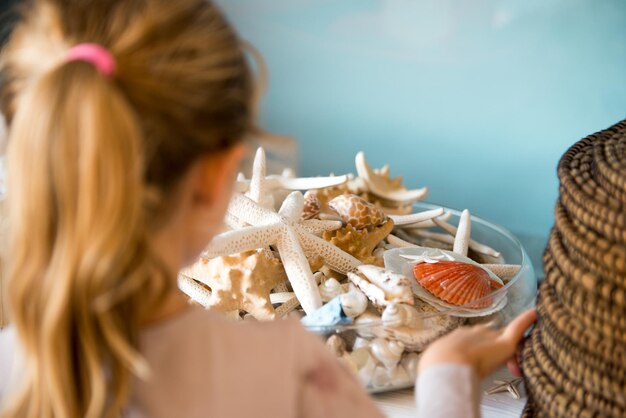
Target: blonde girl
x=125 y=122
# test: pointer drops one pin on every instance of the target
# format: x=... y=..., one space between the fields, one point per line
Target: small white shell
x=388 y=352
x=360 y=342
x=401 y=314
x=383 y=377
x=365 y=364
x=329 y=289
x=336 y=344
x=397 y=288
x=353 y=303
x=366 y=318
x=409 y=363
x=319 y=277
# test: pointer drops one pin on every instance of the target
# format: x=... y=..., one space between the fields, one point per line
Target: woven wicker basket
x=575 y=360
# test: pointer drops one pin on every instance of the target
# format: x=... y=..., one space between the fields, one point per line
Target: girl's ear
x=211 y=186
x=216 y=174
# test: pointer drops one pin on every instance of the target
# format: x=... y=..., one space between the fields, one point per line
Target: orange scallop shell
x=456 y=282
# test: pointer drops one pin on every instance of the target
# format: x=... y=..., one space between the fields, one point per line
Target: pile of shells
x=351 y=259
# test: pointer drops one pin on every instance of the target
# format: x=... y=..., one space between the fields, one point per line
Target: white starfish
x=510 y=386
x=260 y=187
x=293 y=237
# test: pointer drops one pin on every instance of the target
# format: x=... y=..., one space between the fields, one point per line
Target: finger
x=514 y=368
x=514 y=332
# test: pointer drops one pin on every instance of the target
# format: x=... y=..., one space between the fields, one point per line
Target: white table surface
x=401 y=404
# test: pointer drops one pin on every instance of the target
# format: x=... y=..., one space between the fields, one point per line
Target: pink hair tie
x=94 y=54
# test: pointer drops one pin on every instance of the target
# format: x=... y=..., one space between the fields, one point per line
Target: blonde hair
x=90 y=162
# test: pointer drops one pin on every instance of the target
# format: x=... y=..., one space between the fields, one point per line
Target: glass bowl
x=364 y=343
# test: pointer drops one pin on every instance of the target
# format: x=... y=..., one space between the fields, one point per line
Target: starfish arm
x=335 y=258
x=194 y=290
x=306 y=183
x=257 y=182
x=246 y=210
x=245 y=239
x=232 y=222
x=292 y=207
x=317 y=227
x=298 y=271
x=401 y=220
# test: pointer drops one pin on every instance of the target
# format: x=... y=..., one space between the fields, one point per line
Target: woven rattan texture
x=575 y=360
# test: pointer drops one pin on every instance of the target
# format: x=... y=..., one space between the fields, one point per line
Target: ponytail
x=90 y=158
x=75 y=181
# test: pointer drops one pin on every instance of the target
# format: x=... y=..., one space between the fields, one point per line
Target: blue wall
x=475 y=99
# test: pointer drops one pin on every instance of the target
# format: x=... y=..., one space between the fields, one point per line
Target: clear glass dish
x=520 y=291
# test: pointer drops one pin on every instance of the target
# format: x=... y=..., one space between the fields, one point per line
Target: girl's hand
x=479 y=346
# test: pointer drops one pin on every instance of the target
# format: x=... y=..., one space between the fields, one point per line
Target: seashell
x=381 y=185
x=434 y=326
x=330 y=289
x=365 y=323
x=360 y=342
x=401 y=314
x=456 y=282
x=336 y=344
x=387 y=352
x=319 y=277
x=383 y=377
x=357 y=211
x=353 y=303
x=312 y=206
x=373 y=292
x=397 y=287
x=409 y=363
x=365 y=364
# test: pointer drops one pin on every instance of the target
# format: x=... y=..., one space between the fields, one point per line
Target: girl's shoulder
x=201 y=358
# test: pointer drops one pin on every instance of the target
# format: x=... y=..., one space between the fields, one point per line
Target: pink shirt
x=205 y=366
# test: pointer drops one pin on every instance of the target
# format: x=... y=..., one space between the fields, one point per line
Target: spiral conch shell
x=401 y=315
x=357 y=211
x=387 y=352
x=329 y=289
